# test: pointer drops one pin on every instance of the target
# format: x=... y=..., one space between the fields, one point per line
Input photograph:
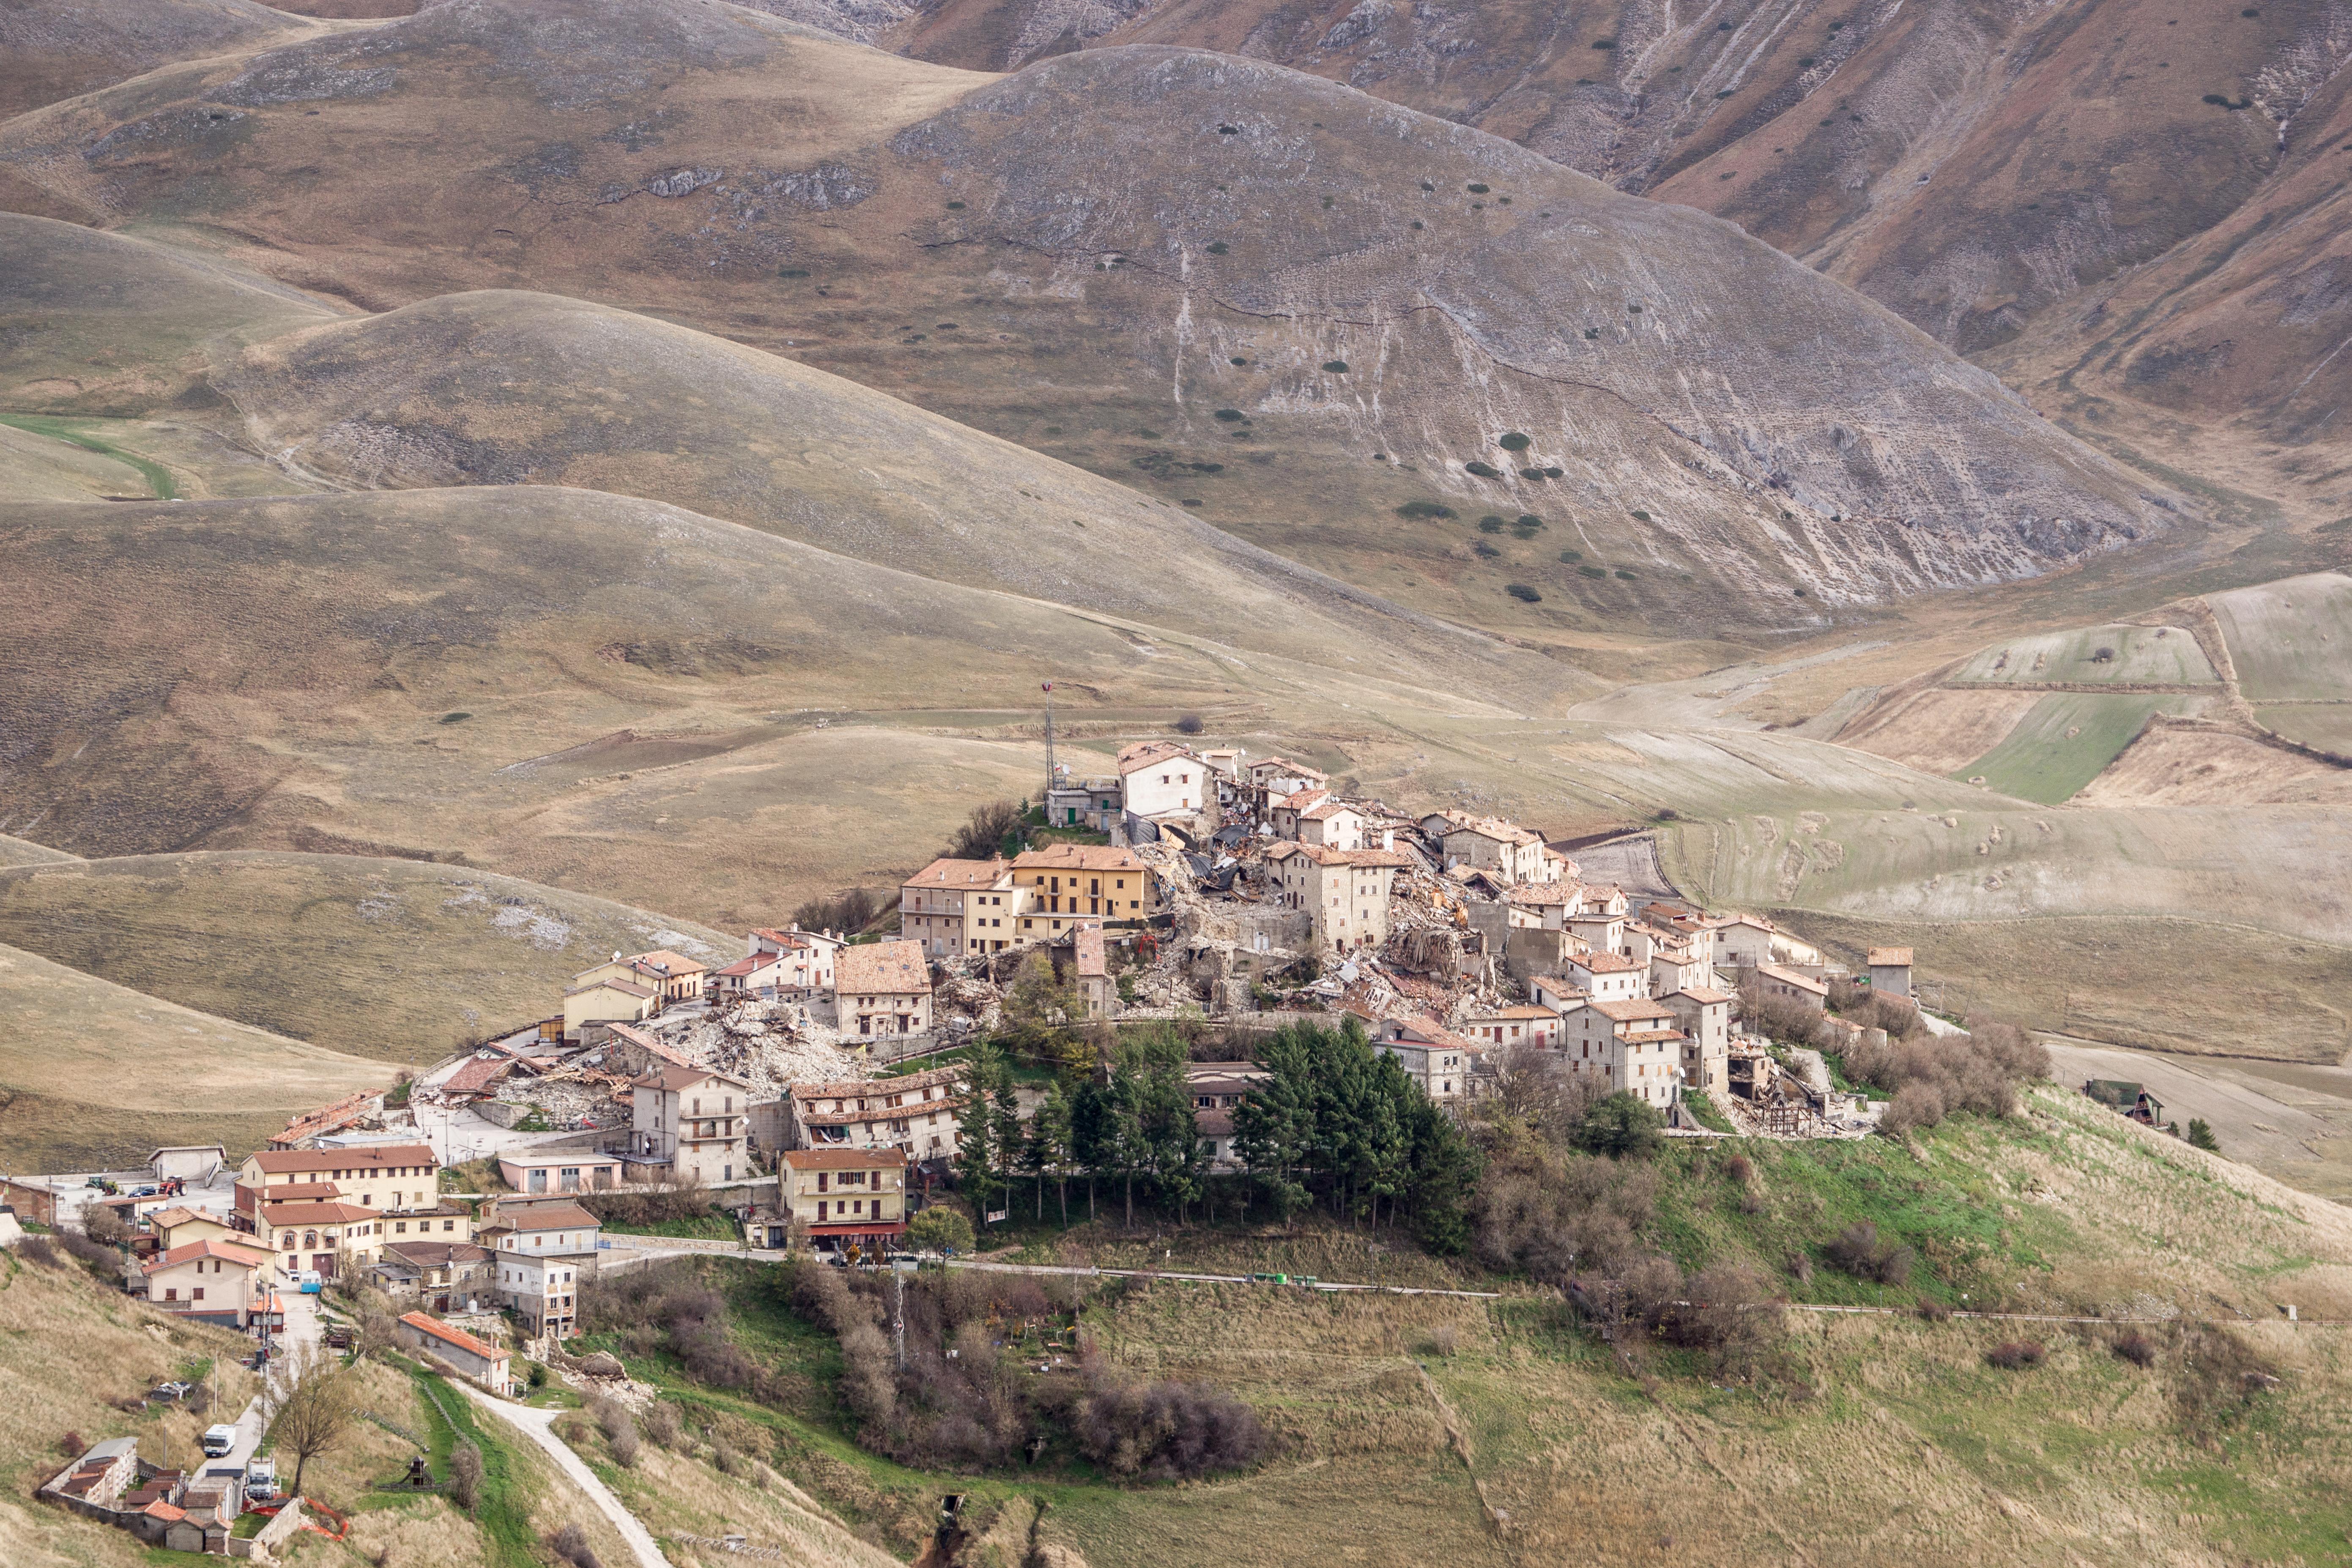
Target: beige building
x=1332 y=825
x=846 y=1197
x=485 y=1363
x=1436 y=1058
x=177 y=1226
x=210 y=1279
x=607 y=1001
x=794 y=959
x=1284 y=776
x=1790 y=985
x=1066 y=883
x=883 y=988
x=694 y=1121
x=1633 y=1045
x=1159 y=778
x=1608 y=976
x=1703 y=1015
x=1527 y=1023
x=1502 y=849
x=916 y=1113
x=541 y=1254
x=388 y=1178
x=1346 y=890
x=324 y=1237
x=960 y=905
x=1090 y=958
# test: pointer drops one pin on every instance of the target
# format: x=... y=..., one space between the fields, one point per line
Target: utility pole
x=898 y=1314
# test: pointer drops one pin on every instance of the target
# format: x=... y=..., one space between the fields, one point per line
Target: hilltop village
x=797 y=1085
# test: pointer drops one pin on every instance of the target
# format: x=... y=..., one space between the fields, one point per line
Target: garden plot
x=2066 y=742
x=2109 y=654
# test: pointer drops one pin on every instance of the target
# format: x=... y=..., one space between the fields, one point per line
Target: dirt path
x=539 y=1426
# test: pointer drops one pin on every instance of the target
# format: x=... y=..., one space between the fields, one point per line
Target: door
x=324 y=1262
x=441 y=1302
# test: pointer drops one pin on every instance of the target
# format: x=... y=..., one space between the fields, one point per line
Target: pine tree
x=980 y=1155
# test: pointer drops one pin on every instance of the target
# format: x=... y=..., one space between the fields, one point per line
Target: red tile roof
x=844 y=1159
x=448 y=1335
x=887 y=968
x=363 y=1159
x=212 y=1247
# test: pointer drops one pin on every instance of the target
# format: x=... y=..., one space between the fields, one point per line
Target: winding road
x=539 y=1426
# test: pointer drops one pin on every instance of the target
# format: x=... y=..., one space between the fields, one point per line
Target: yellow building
x=1072 y=884
x=846 y=1196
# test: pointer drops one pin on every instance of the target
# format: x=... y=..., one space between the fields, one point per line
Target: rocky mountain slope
x=1242 y=286
x=50 y=51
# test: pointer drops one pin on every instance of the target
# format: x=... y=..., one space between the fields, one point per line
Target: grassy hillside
x=110 y=324
x=2291 y=640
x=93 y=1074
x=391 y=959
x=942 y=237
x=47 y=53
x=1503 y=1433
x=2118 y=655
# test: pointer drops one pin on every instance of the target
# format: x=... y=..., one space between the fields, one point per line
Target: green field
x=84 y=433
x=2291 y=639
x=2065 y=742
x=2135 y=655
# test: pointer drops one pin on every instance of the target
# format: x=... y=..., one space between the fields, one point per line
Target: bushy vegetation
x=970 y=1395
x=676 y=1208
x=1419 y=511
x=1882 y=1043
x=849 y=911
x=995 y=827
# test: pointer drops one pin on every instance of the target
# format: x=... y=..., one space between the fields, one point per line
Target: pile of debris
x=769 y=1045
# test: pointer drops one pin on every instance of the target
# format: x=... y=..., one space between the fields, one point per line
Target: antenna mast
x=1049 y=736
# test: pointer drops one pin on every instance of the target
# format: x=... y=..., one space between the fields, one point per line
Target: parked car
x=146 y=1192
x=218 y=1441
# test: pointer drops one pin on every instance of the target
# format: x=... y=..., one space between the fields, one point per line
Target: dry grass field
x=398 y=959
x=95 y=1074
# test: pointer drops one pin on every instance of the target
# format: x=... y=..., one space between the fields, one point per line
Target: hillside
x=1509 y=1432
x=48 y=52
x=94 y=1075
x=582 y=690
x=1824 y=455
x=504 y=388
x=397 y=960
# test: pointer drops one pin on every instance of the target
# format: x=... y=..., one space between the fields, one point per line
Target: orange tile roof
x=449 y=1334
x=211 y=1247
x=1890 y=957
x=1146 y=753
x=844 y=1159
x=949 y=872
x=1078 y=858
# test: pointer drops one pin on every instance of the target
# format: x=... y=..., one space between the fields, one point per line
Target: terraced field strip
x=2291 y=640
x=2125 y=656
x=2327 y=725
x=2066 y=742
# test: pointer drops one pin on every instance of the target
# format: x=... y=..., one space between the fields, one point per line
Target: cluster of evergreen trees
x=1334 y=1123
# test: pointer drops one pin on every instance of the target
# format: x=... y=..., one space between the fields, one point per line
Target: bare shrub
x=1168 y=1431
x=849 y=911
x=620 y=1431
x=1933 y=1311
x=1442 y=1340
x=99 y=1256
x=1728 y=1310
x=570 y=1544
x=732 y=1461
x=1800 y=1267
x=101 y=1222
x=1190 y=724
x=2015 y=1355
x=2135 y=1347
x=71 y=1446
x=1858 y=1251
x=651 y=1206
x=1740 y=1169
x=660 y=1421
x=1914 y=1105
x=465 y=1486
x=1930 y=1079
x=2221 y=1376
x=41 y=1250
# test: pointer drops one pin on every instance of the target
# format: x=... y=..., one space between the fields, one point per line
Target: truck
x=261 y=1481
x=218 y=1441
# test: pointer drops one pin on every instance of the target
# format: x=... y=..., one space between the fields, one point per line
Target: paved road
x=539 y=1426
x=673 y=1247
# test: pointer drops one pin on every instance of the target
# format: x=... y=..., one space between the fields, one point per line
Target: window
x=171 y=1292
x=197 y=1294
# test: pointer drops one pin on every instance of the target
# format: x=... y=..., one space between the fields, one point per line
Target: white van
x=219 y=1440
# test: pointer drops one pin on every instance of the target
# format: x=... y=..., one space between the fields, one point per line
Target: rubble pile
x=769 y=1045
